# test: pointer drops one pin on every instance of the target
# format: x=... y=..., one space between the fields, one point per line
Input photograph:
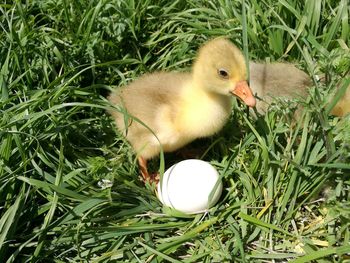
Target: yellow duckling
x=342 y=107
x=268 y=81
x=180 y=107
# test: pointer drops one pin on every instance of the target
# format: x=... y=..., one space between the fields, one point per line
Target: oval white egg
x=188 y=185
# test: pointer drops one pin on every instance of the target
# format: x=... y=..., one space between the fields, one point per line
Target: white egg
x=188 y=185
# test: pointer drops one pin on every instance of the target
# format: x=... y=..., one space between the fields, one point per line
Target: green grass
x=59 y=59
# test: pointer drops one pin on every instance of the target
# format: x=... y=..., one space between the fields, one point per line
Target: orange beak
x=243 y=92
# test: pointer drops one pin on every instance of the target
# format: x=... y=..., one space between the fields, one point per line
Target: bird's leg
x=154 y=177
x=143 y=168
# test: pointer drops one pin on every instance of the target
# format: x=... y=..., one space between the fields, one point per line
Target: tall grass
x=69 y=186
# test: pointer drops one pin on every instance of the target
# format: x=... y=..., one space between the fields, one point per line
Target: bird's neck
x=202 y=113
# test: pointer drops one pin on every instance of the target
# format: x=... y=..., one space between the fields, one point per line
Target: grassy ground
x=59 y=59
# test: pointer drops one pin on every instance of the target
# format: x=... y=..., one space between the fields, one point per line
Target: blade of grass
x=258 y=222
x=322 y=254
x=9 y=219
x=158 y=253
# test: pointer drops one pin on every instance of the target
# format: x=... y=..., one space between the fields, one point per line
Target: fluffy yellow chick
x=180 y=107
x=268 y=81
x=342 y=107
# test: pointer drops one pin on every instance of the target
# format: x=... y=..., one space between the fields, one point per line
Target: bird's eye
x=223 y=73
